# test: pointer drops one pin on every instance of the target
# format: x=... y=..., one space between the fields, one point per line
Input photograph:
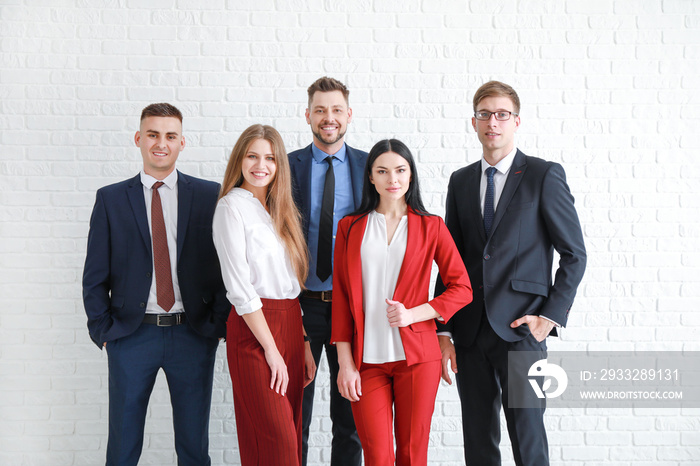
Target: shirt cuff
x=249 y=307
x=556 y=324
x=445 y=334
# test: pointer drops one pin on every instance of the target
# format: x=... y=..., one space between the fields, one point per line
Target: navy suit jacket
x=511 y=270
x=119 y=261
x=300 y=165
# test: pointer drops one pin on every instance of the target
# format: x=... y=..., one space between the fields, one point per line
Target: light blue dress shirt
x=343 y=205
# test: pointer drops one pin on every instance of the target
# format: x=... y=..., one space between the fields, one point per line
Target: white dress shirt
x=254 y=261
x=381 y=264
x=168 y=199
x=499 y=179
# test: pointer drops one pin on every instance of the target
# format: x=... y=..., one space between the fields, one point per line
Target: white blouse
x=254 y=261
x=381 y=264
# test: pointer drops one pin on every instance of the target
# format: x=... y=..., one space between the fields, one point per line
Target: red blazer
x=428 y=240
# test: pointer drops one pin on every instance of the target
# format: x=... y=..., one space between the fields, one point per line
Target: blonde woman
x=261 y=248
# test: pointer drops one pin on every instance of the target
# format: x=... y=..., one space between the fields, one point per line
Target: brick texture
x=609 y=88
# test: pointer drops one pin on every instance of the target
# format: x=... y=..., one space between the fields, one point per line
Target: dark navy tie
x=488 y=201
x=324 y=254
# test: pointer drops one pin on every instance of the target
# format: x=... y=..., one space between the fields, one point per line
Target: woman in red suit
x=383 y=320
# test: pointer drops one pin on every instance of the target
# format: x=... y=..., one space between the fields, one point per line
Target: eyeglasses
x=500 y=116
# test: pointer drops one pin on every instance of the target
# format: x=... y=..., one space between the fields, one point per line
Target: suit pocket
x=530 y=287
x=425 y=326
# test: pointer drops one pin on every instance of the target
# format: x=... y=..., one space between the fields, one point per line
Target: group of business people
x=174 y=264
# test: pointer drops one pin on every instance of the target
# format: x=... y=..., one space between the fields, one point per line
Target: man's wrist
x=556 y=324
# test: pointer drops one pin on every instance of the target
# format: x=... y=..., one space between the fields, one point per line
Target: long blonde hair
x=285 y=216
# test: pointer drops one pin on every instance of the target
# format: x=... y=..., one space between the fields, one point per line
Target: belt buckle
x=158 y=316
x=329 y=297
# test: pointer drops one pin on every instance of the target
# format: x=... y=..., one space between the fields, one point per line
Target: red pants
x=411 y=392
x=268 y=424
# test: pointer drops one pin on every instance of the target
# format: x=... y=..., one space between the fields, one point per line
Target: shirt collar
x=170 y=181
x=320 y=156
x=504 y=165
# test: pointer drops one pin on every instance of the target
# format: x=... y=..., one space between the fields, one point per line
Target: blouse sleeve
x=230 y=242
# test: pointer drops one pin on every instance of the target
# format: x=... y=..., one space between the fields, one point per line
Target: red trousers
x=411 y=392
x=268 y=424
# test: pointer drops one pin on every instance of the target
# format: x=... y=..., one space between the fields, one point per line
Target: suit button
x=148 y=275
x=142 y=305
x=487 y=257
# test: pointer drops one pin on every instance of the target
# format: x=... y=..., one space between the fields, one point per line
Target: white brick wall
x=609 y=88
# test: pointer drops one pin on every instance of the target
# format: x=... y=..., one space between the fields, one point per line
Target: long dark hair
x=370 y=196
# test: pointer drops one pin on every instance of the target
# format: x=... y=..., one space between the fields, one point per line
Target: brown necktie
x=161 y=256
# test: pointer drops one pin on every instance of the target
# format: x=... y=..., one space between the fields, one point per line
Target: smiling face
x=328 y=115
x=496 y=137
x=258 y=167
x=391 y=176
x=160 y=140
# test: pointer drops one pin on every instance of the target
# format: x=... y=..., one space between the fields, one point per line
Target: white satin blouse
x=381 y=264
x=254 y=261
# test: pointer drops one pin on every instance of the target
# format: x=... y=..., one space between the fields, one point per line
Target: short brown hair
x=326 y=84
x=497 y=89
x=161 y=110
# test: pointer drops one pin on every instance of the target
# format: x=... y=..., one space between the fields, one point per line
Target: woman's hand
x=280 y=378
x=349 y=383
x=398 y=315
x=309 y=364
x=258 y=326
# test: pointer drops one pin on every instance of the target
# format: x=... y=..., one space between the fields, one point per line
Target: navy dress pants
x=187 y=359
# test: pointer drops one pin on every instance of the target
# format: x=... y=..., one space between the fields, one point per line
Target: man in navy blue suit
x=327 y=182
x=507 y=213
x=153 y=292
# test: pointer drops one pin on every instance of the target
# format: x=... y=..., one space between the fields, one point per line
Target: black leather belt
x=165 y=320
x=325 y=296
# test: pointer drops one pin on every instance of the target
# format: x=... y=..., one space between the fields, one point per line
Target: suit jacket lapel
x=304 y=182
x=357 y=171
x=515 y=176
x=413 y=243
x=134 y=192
x=473 y=200
x=184 y=206
x=354 y=266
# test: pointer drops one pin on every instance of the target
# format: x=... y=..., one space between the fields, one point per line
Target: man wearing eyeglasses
x=507 y=213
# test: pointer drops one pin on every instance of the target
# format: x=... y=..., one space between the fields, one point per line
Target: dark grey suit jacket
x=511 y=271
